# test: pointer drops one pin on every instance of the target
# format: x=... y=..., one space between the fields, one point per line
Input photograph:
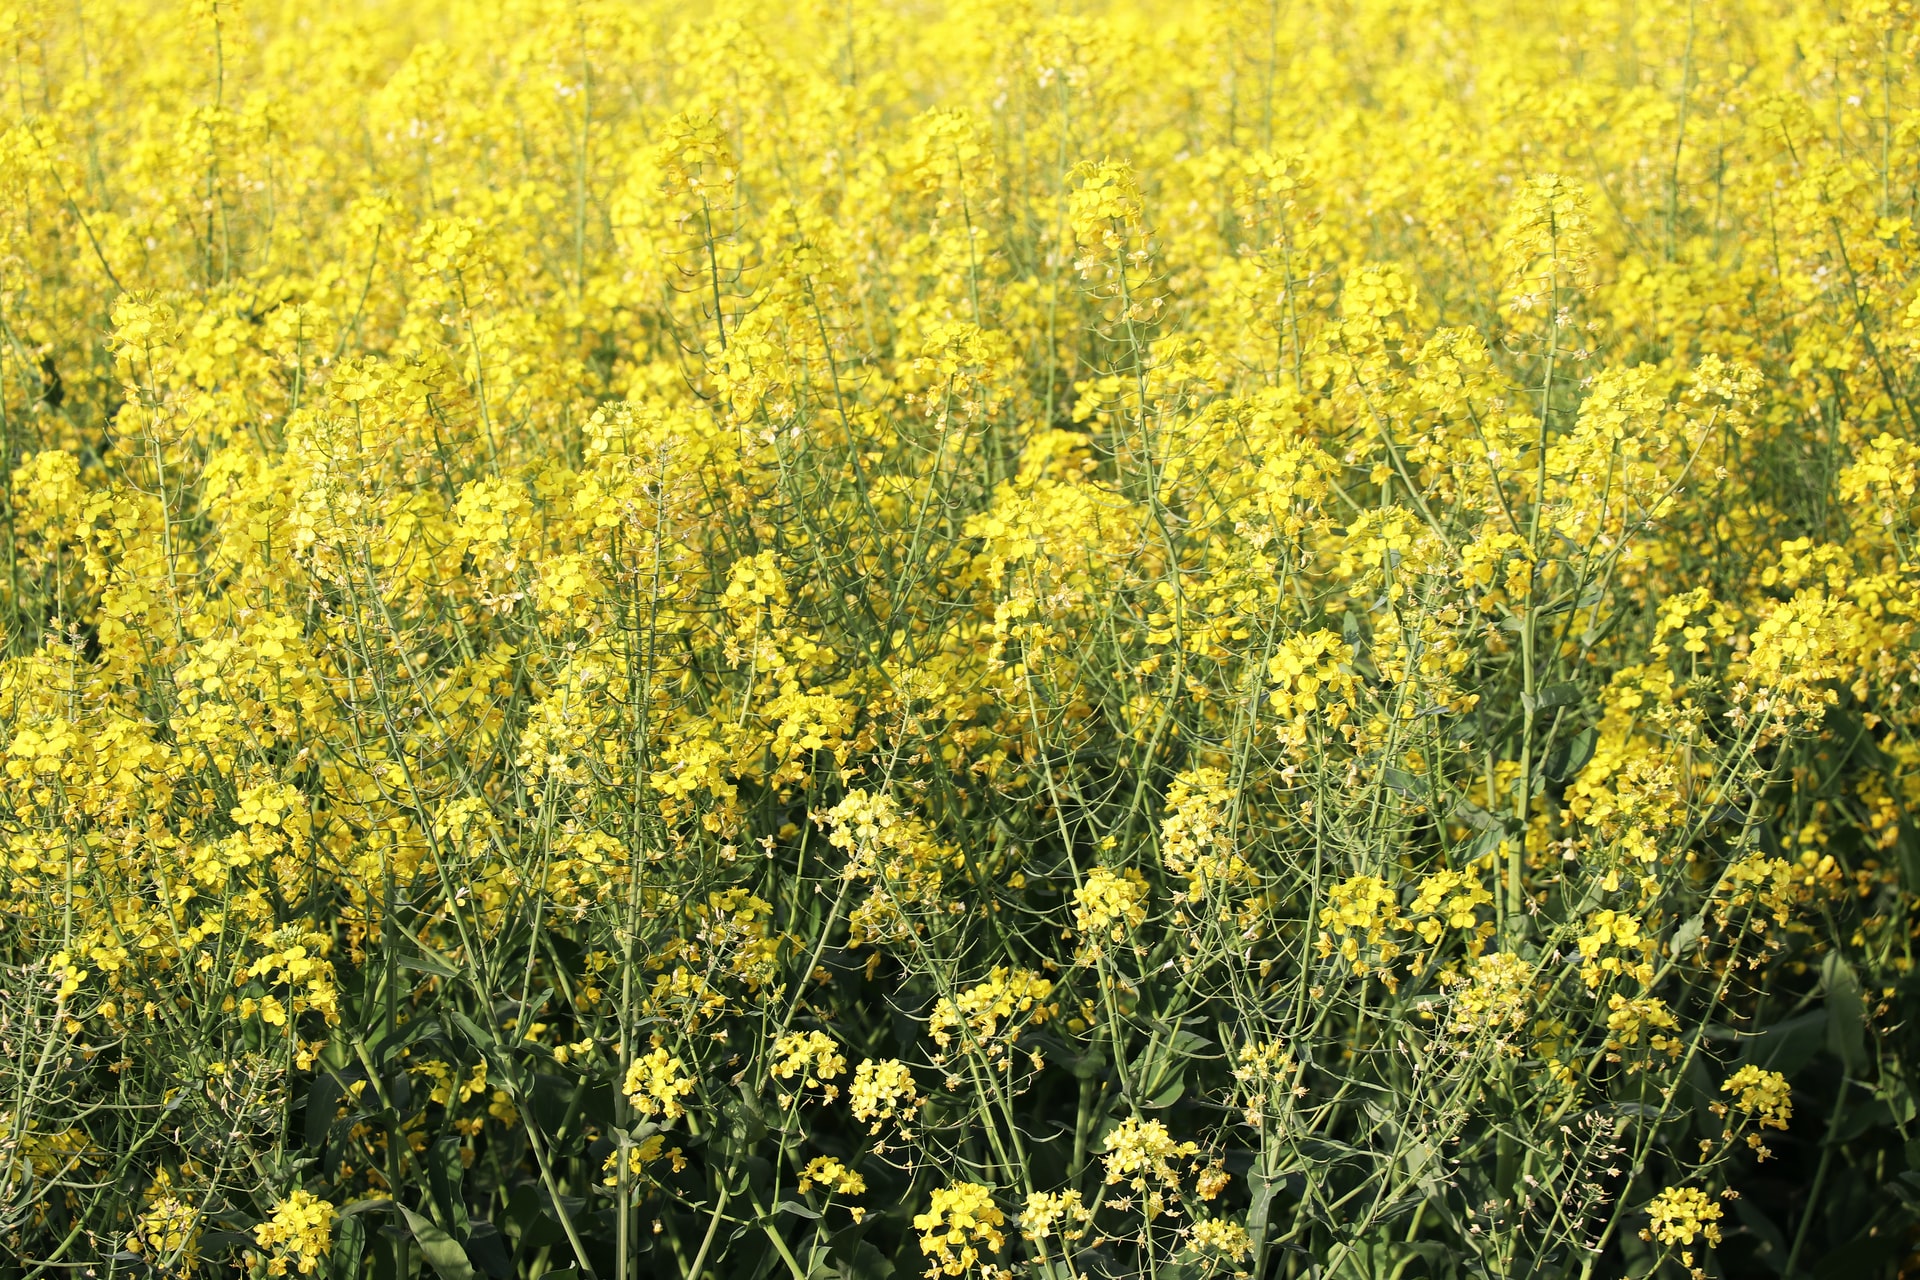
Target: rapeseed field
x=1007 y=638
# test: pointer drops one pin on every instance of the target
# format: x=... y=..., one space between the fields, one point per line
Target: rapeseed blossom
x=960 y=1220
x=1109 y=904
x=1761 y=1094
x=298 y=1236
x=1679 y=1215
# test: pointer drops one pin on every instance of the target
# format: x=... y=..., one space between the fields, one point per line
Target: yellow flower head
x=1009 y=998
x=1109 y=903
x=1219 y=1238
x=1762 y=1094
x=656 y=1082
x=298 y=1234
x=1681 y=1213
x=812 y=1056
x=960 y=1221
x=831 y=1176
x=1141 y=1154
x=883 y=1091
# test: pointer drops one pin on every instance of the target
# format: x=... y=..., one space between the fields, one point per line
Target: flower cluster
x=883 y=1091
x=1679 y=1215
x=1009 y=998
x=656 y=1084
x=1110 y=904
x=1762 y=1094
x=298 y=1235
x=960 y=1220
x=813 y=1057
x=1141 y=1153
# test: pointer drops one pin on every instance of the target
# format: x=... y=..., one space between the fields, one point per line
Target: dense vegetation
x=1254 y=637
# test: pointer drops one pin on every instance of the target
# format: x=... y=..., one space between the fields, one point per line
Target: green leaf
x=1185 y=1044
x=1090 y=1066
x=430 y=962
x=384 y=1049
x=1698 y=1094
x=1846 y=1012
x=1264 y=1189
x=532 y=1224
x=1862 y=1117
x=1485 y=843
x=864 y=1262
x=1786 y=1046
x=449 y=1260
x=1770 y=1247
x=487 y=1249
x=743 y=1121
x=1570 y=757
x=1864 y=1255
x=481 y=1039
x=445 y=1174
x=1169 y=1093
x=554 y=1102
x=385 y=1264
x=349 y=1243
x=1564 y=694
x=1477 y=818
x=323 y=1097
x=1399 y=780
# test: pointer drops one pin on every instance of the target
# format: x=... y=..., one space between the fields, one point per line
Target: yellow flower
x=1109 y=903
x=1549 y=241
x=883 y=1091
x=1054 y=1212
x=1762 y=1094
x=1447 y=899
x=1220 y=1238
x=1105 y=207
x=656 y=1082
x=699 y=515
x=811 y=1055
x=960 y=1220
x=1013 y=997
x=1609 y=945
x=167 y=1233
x=1630 y=1018
x=1195 y=838
x=1362 y=914
x=639 y=1156
x=1497 y=1001
x=1140 y=1153
x=834 y=1177
x=1680 y=1213
x=299 y=1233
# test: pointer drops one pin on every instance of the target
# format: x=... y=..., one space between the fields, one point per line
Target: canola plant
x=1260 y=638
